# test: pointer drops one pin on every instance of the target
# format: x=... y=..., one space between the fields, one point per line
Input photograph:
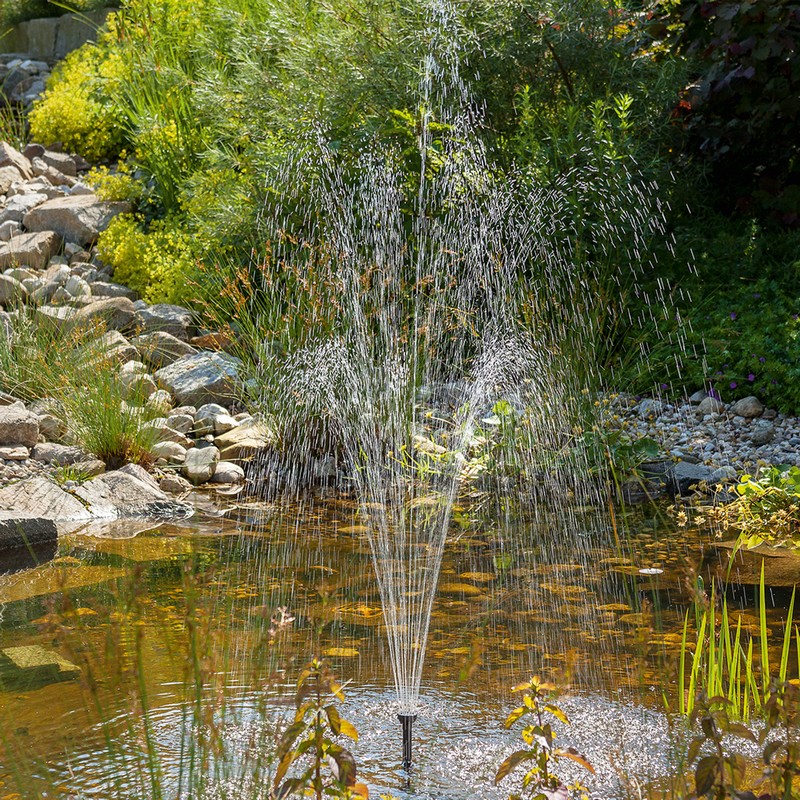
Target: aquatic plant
x=721 y=660
x=540 y=779
x=328 y=768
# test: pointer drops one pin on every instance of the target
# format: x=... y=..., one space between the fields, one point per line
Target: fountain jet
x=406 y=723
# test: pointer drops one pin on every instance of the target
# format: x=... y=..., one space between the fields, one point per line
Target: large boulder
x=117 y=313
x=200 y=464
x=30 y=250
x=21 y=530
x=160 y=348
x=201 y=378
x=748 y=407
x=20 y=205
x=78 y=219
x=175 y=320
x=18 y=425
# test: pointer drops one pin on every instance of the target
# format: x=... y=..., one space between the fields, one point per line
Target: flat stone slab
x=78 y=219
x=20 y=530
x=33 y=666
x=781 y=565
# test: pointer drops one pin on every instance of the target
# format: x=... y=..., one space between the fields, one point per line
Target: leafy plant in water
x=537 y=702
x=309 y=739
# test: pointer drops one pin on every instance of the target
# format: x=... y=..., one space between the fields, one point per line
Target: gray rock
x=44 y=170
x=167 y=318
x=90 y=467
x=18 y=530
x=710 y=405
x=11 y=156
x=29 y=250
x=40 y=497
x=762 y=432
x=160 y=348
x=200 y=377
x=747 y=407
x=56 y=317
x=682 y=477
x=77 y=287
x=104 y=289
x=169 y=451
x=33 y=150
x=138 y=388
x=726 y=474
x=8 y=229
x=18 y=425
x=180 y=422
x=6 y=328
x=14 y=452
x=244 y=442
x=113 y=345
x=60 y=454
x=160 y=402
x=209 y=411
x=61 y=161
x=12 y=292
x=8 y=175
x=161 y=432
x=51 y=427
x=650 y=408
x=200 y=464
x=79 y=219
x=20 y=205
x=117 y=313
x=140 y=473
x=175 y=484
x=227 y=472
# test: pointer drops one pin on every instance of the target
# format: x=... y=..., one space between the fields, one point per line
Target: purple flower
x=712 y=392
x=751 y=377
x=734 y=315
x=733 y=384
x=762 y=359
x=664 y=386
x=757 y=295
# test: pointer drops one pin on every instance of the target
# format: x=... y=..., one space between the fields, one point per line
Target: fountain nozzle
x=406 y=722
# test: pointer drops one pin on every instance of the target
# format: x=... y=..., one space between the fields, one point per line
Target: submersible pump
x=406 y=723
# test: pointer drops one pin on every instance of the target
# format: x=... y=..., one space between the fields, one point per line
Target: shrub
x=156 y=263
x=13 y=11
x=75 y=109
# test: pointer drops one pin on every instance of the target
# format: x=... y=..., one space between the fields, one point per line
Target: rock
x=762 y=432
x=89 y=467
x=117 y=313
x=19 y=530
x=160 y=349
x=650 y=408
x=710 y=405
x=9 y=156
x=175 y=484
x=18 y=425
x=61 y=161
x=40 y=497
x=51 y=427
x=200 y=377
x=103 y=289
x=159 y=402
x=682 y=477
x=180 y=422
x=169 y=451
x=726 y=474
x=8 y=229
x=747 y=407
x=167 y=318
x=20 y=205
x=227 y=472
x=781 y=565
x=33 y=150
x=138 y=388
x=216 y=340
x=14 y=452
x=114 y=346
x=79 y=219
x=30 y=250
x=769 y=413
x=161 y=432
x=200 y=464
x=77 y=287
x=6 y=328
x=56 y=318
x=140 y=473
x=209 y=411
x=12 y=292
x=32 y=666
x=61 y=454
x=121 y=494
x=44 y=170
x=244 y=442
x=224 y=423
x=8 y=175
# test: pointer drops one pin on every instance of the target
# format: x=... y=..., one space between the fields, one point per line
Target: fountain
x=423 y=308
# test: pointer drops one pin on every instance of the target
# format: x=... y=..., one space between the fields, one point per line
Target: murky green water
x=190 y=614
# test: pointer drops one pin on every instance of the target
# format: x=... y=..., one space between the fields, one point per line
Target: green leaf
x=704 y=774
x=513 y=761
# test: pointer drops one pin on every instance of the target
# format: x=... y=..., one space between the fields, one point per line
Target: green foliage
x=327 y=768
x=73 y=370
x=722 y=659
x=13 y=11
x=741 y=109
x=156 y=263
x=76 y=109
x=538 y=704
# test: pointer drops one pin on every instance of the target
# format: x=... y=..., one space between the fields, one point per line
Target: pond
x=208 y=625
